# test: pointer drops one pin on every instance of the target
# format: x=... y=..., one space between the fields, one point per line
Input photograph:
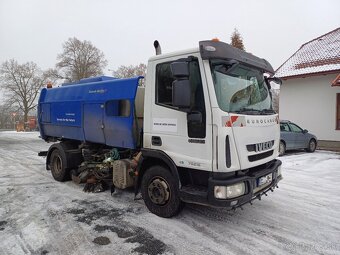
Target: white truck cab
x=208 y=120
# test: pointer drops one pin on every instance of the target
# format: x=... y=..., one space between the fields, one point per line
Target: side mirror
x=181 y=89
x=275 y=79
x=180 y=69
x=305 y=131
x=181 y=93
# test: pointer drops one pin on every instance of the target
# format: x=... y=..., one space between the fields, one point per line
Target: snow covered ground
x=41 y=216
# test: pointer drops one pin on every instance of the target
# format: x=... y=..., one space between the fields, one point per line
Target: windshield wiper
x=255 y=111
x=248 y=110
x=267 y=111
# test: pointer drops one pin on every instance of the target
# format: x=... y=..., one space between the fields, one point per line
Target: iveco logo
x=264 y=146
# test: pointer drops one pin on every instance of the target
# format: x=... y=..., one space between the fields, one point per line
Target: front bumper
x=206 y=196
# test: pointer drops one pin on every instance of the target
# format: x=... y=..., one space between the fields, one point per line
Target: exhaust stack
x=157 y=47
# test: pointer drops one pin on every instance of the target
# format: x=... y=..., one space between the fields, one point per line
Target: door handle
x=156 y=141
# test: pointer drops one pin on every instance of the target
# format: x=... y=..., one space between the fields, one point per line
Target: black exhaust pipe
x=157 y=47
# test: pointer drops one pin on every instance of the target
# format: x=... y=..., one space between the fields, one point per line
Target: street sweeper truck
x=200 y=130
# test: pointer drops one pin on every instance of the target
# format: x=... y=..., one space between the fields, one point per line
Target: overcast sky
x=34 y=30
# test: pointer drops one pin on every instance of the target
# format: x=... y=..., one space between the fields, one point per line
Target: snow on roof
x=322 y=54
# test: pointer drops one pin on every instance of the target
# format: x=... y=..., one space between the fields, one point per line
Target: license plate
x=264 y=180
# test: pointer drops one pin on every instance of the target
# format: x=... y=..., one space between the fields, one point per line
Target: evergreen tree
x=236 y=40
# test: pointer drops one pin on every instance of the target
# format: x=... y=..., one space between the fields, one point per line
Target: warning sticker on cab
x=164 y=125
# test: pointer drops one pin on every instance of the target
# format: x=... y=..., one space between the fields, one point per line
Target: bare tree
x=6 y=118
x=79 y=59
x=236 y=40
x=21 y=84
x=130 y=71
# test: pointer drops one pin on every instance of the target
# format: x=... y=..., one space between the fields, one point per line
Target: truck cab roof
x=174 y=54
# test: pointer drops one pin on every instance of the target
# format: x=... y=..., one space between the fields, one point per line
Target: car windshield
x=240 y=88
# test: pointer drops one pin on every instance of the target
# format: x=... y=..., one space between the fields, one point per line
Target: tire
x=160 y=192
x=311 y=145
x=282 y=148
x=57 y=164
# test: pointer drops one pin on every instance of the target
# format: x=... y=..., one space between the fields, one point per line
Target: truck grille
x=258 y=147
x=260 y=156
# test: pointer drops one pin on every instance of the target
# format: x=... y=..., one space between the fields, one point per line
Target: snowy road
x=41 y=216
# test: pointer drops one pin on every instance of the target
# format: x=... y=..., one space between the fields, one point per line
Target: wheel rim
x=159 y=191
x=312 y=145
x=57 y=164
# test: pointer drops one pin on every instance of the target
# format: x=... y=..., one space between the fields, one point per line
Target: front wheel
x=311 y=146
x=282 y=148
x=160 y=192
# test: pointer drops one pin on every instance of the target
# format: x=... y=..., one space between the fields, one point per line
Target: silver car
x=293 y=137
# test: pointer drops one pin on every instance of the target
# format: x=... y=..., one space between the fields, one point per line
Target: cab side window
x=164 y=80
x=164 y=84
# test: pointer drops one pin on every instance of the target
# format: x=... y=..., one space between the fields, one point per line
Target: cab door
x=180 y=133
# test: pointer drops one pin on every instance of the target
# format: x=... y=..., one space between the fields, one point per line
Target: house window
x=338 y=111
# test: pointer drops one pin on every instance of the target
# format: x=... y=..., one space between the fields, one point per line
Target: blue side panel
x=46 y=112
x=74 y=133
x=93 y=123
x=95 y=91
x=66 y=113
x=77 y=111
x=119 y=130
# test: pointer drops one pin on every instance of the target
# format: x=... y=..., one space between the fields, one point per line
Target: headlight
x=220 y=192
x=224 y=192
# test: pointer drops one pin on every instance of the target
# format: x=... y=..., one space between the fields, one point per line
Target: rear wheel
x=160 y=192
x=282 y=148
x=311 y=145
x=57 y=165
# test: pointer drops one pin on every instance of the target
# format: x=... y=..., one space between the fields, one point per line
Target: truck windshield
x=240 y=89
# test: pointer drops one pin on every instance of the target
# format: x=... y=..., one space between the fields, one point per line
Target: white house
x=310 y=93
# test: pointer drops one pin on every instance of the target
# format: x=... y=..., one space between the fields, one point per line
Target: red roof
x=320 y=55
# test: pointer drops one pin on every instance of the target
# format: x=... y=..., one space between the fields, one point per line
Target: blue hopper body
x=97 y=110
